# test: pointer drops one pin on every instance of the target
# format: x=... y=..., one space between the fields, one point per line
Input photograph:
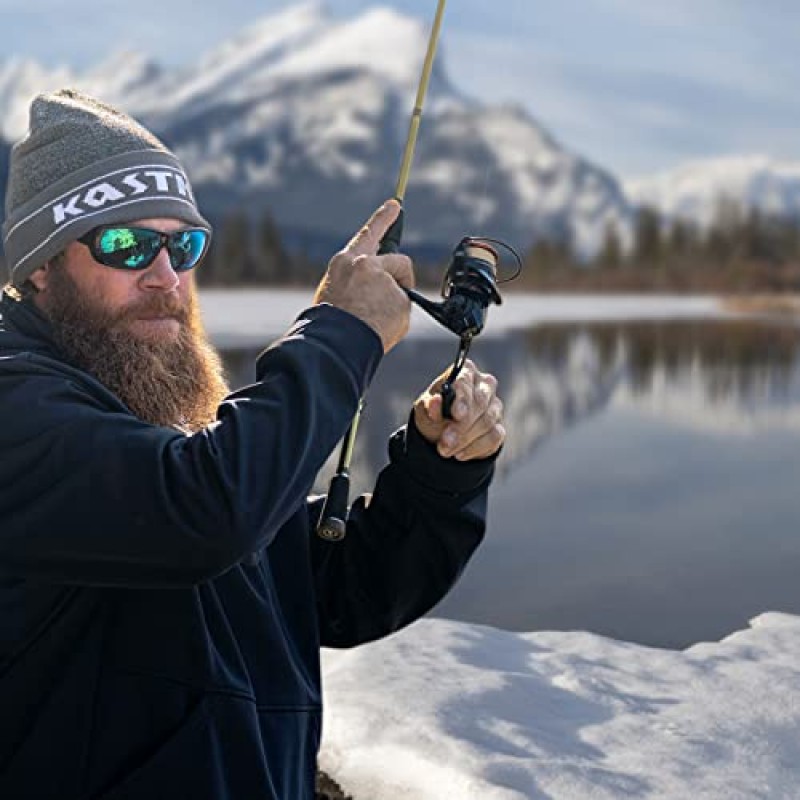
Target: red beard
x=174 y=382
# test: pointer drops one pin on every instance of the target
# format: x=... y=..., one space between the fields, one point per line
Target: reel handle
x=448 y=396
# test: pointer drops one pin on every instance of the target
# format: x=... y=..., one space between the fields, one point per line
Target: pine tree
x=274 y=264
x=723 y=243
x=234 y=264
x=548 y=256
x=649 y=246
x=610 y=255
x=682 y=246
x=759 y=237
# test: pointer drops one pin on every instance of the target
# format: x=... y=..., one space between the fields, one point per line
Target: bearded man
x=163 y=594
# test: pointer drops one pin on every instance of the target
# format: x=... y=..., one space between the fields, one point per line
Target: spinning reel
x=469 y=287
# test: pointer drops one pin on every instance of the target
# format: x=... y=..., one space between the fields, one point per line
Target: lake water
x=650 y=486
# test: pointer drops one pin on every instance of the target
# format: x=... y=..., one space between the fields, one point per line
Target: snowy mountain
x=695 y=191
x=306 y=115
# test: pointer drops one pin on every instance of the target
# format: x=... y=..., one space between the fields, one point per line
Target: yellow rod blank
x=402 y=182
x=351 y=439
x=416 y=116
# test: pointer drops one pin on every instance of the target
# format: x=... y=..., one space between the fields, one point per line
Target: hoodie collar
x=24 y=327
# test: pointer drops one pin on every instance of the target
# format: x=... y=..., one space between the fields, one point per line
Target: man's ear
x=40 y=276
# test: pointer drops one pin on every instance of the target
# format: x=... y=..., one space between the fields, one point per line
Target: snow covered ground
x=452 y=711
x=249 y=317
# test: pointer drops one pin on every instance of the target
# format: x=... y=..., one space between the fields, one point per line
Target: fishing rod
x=468 y=288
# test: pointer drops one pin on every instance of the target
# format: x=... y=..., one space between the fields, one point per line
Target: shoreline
x=783 y=304
x=252 y=318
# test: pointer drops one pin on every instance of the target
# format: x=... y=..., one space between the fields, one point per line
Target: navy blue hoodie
x=163 y=597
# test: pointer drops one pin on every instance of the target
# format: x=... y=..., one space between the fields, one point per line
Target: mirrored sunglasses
x=134 y=248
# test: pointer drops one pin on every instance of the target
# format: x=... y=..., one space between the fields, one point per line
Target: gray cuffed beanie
x=84 y=164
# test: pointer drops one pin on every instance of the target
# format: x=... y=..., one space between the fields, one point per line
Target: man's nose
x=160 y=276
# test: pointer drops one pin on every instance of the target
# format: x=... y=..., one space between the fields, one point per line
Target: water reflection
x=624 y=504
x=730 y=357
x=728 y=375
x=737 y=347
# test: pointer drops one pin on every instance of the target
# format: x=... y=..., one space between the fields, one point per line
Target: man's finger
x=367 y=241
x=483 y=446
x=433 y=407
x=399 y=267
x=464 y=399
x=481 y=395
x=484 y=422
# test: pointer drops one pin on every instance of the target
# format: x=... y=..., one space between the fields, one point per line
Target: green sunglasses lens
x=186 y=248
x=128 y=248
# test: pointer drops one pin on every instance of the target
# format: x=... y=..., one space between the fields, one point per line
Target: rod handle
x=391 y=239
x=332 y=526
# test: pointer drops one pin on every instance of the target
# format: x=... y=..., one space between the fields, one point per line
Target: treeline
x=247 y=252
x=251 y=252
x=741 y=251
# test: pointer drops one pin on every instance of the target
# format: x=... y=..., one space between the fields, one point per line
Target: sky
x=636 y=87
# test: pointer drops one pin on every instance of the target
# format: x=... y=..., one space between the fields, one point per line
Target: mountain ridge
x=305 y=116
x=695 y=191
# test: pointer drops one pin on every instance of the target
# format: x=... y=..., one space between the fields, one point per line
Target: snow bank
x=451 y=711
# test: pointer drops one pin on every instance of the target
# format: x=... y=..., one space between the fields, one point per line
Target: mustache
x=156 y=307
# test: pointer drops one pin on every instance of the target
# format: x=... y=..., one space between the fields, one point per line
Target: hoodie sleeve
x=405 y=545
x=92 y=495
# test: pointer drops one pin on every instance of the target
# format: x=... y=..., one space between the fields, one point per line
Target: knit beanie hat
x=81 y=165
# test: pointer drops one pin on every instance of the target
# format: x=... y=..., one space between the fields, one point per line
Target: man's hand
x=368 y=285
x=476 y=430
